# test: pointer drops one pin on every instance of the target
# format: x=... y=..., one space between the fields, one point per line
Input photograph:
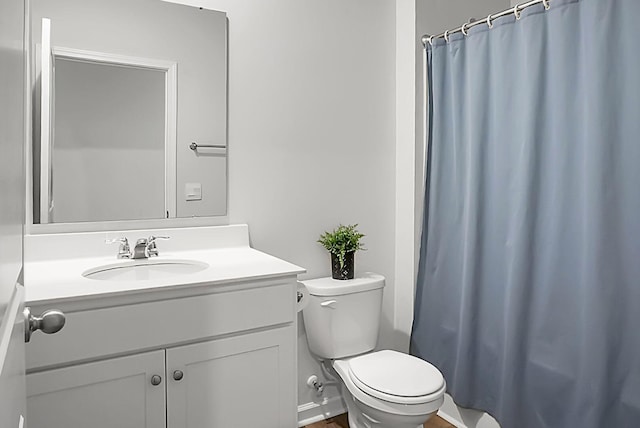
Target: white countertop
x=60 y=279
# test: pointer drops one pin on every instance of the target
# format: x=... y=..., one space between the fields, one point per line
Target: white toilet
x=382 y=389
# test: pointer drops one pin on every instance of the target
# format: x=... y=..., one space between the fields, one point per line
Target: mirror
x=122 y=91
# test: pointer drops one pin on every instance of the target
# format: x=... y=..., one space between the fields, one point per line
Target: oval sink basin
x=143 y=270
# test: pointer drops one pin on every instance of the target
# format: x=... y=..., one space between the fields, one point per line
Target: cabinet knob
x=156 y=380
x=178 y=375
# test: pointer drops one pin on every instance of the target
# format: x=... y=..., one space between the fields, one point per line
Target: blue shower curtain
x=528 y=293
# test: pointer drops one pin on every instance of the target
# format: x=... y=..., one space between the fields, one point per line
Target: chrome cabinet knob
x=156 y=380
x=48 y=322
x=178 y=375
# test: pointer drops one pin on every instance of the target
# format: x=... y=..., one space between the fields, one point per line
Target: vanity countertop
x=51 y=281
x=61 y=280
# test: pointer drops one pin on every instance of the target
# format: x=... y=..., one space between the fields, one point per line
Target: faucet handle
x=114 y=240
x=151 y=244
x=124 y=252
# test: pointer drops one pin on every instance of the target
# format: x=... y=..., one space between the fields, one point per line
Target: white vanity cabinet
x=224 y=356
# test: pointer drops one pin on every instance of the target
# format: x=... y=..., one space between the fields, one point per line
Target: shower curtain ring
x=464 y=29
x=446 y=36
x=430 y=40
x=546 y=4
x=489 y=23
x=517 y=12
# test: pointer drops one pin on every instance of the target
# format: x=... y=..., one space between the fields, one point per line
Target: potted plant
x=342 y=243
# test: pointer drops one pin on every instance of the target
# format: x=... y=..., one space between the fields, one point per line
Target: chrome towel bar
x=194 y=146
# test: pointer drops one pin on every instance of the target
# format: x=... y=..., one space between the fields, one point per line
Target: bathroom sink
x=144 y=269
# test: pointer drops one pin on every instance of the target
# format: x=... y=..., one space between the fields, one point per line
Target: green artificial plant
x=341 y=241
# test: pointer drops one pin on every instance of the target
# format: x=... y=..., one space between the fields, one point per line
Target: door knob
x=178 y=375
x=156 y=380
x=48 y=322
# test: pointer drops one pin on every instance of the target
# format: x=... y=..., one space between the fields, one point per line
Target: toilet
x=382 y=389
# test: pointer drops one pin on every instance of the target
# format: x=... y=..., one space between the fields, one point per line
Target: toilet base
x=363 y=416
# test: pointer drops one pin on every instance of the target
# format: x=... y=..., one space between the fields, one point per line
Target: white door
x=12 y=190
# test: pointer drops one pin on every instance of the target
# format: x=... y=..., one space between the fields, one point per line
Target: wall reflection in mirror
x=121 y=88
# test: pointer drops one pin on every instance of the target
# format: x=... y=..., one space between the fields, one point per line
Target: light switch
x=193 y=191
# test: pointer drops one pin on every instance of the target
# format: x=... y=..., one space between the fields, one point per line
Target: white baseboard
x=314 y=412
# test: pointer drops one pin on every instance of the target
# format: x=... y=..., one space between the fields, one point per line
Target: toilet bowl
x=382 y=389
x=387 y=389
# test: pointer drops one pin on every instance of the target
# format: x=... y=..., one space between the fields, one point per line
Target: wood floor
x=341 y=421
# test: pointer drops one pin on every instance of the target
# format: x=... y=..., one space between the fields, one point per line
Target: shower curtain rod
x=516 y=10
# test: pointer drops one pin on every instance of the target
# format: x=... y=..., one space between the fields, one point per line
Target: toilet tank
x=343 y=316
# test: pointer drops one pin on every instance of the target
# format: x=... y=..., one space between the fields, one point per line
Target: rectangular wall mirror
x=122 y=89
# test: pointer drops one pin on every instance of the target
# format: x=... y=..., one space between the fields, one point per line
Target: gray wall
x=195 y=39
x=312 y=133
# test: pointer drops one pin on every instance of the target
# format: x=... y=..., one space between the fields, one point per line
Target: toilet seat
x=388 y=403
x=396 y=377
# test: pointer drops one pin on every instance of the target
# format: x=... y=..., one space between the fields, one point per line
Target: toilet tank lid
x=335 y=287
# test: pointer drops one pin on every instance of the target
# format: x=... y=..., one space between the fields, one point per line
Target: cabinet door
x=244 y=381
x=105 y=394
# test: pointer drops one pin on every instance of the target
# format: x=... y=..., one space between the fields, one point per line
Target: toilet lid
x=395 y=374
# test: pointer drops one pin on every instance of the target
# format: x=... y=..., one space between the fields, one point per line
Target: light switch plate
x=193 y=191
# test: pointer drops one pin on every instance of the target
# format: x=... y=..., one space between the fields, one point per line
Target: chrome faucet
x=146 y=247
x=124 y=251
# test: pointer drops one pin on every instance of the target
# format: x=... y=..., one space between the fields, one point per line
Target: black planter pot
x=347 y=270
